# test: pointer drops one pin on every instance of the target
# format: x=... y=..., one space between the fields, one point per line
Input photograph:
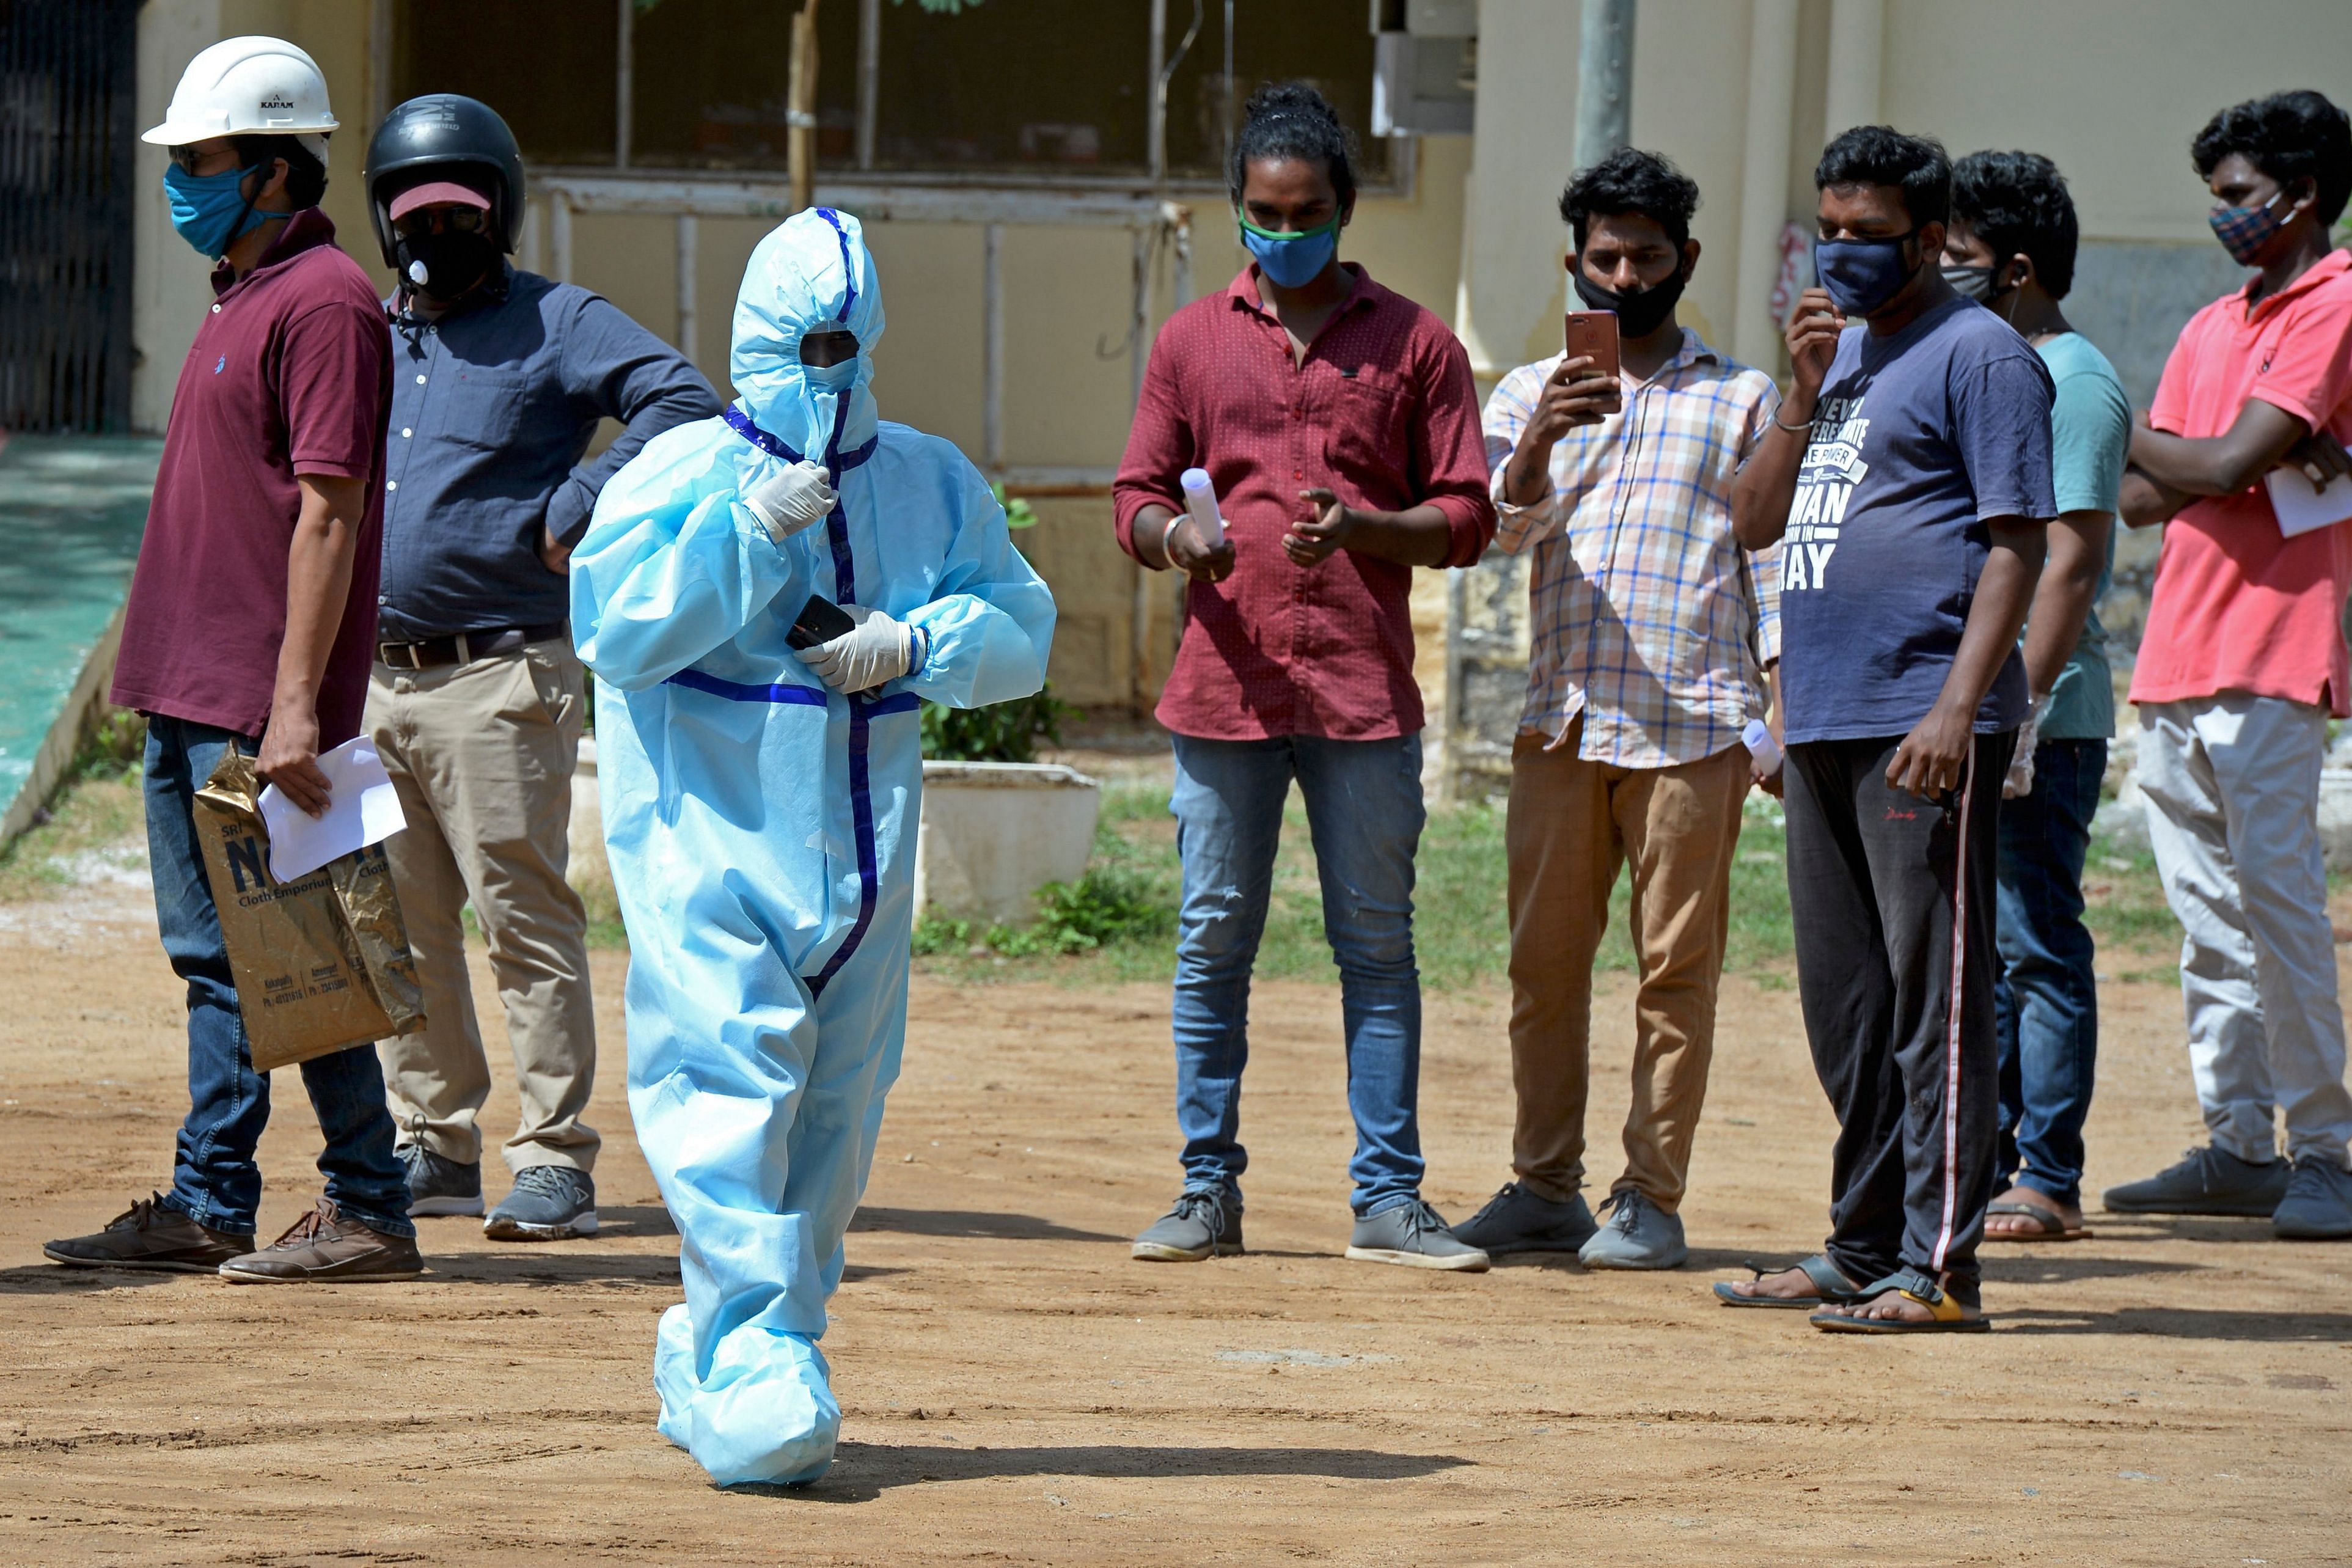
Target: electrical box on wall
x=1425 y=67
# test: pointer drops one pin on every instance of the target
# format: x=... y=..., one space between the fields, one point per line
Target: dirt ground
x=1016 y=1389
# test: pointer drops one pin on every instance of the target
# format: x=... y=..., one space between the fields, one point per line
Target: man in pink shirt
x=2242 y=662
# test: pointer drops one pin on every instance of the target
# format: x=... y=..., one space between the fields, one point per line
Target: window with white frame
x=1056 y=92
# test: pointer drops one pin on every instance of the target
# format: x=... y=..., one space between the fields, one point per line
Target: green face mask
x=1291 y=259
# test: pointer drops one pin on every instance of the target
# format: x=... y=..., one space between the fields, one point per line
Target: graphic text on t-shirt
x=1826 y=482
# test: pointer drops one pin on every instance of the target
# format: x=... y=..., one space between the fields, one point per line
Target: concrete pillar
x=171 y=285
x=1511 y=276
x=1857 y=55
x=1764 y=177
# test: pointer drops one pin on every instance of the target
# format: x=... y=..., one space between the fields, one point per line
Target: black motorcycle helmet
x=442 y=135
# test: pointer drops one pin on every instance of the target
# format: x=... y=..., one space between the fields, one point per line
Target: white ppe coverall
x=760 y=827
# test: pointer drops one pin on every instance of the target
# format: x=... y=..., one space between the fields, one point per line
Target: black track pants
x=1892 y=898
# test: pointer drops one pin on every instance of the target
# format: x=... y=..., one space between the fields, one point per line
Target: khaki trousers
x=1572 y=824
x=482 y=755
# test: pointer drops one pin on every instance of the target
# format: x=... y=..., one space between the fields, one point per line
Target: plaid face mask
x=2243 y=231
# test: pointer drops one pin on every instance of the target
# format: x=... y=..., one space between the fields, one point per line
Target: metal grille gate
x=67 y=73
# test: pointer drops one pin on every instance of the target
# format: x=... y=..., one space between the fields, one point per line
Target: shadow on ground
x=863 y=1472
x=2180 y=1323
x=56 y=1279
x=979 y=1227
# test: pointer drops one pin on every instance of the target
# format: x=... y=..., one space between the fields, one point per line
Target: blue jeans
x=1364 y=812
x=2047 y=1004
x=216 y=1181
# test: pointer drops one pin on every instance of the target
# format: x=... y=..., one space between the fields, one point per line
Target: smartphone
x=820 y=620
x=1593 y=333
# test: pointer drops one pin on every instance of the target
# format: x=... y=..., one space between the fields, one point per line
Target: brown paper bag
x=321 y=964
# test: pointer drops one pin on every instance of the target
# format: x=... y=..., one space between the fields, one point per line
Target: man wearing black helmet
x=499 y=377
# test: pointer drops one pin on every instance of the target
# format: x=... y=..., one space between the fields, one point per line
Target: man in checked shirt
x=1652 y=631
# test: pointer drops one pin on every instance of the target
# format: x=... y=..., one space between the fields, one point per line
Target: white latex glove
x=2019 y=778
x=791 y=499
x=875 y=650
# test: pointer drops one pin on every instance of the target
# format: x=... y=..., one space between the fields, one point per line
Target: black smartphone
x=820 y=620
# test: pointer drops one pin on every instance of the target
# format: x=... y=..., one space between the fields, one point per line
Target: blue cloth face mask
x=1860 y=275
x=212 y=212
x=1291 y=260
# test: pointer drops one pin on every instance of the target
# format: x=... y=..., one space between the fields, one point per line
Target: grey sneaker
x=439 y=1186
x=1416 y=1236
x=1518 y=1220
x=2318 y=1202
x=548 y=1203
x=1205 y=1223
x=1638 y=1235
x=2207 y=1181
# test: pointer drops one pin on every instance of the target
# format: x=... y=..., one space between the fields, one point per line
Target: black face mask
x=452 y=262
x=1638 y=314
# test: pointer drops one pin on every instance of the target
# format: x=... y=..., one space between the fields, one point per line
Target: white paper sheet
x=363 y=809
x=2302 y=508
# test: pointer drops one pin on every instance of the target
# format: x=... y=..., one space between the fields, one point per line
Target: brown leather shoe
x=325 y=1244
x=149 y=1235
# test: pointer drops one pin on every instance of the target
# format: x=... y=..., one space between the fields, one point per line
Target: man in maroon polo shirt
x=248 y=625
x=1339 y=425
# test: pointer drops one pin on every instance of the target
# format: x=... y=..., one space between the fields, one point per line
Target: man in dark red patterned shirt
x=1339 y=425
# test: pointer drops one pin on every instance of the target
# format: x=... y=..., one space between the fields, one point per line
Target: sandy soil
x=1018 y=1390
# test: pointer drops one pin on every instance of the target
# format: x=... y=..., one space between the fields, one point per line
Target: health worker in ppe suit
x=761 y=801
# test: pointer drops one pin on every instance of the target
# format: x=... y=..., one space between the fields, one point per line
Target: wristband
x=1167 y=533
x=1804 y=429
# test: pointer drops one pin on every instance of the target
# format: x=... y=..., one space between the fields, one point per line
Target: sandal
x=1827 y=1278
x=2050 y=1224
x=1947 y=1315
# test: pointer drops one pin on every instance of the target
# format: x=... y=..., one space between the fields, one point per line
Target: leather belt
x=463 y=648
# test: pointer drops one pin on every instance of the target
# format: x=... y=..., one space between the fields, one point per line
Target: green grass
x=1118 y=923
x=1462 y=932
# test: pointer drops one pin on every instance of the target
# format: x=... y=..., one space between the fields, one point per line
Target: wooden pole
x=800 y=109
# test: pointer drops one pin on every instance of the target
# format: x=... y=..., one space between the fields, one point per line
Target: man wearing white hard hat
x=250 y=624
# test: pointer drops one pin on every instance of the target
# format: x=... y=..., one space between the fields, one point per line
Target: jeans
x=1364 y=812
x=2047 y=1003
x=216 y=1181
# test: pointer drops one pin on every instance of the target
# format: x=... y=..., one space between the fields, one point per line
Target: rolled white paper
x=1758 y=738
x=1201 y=500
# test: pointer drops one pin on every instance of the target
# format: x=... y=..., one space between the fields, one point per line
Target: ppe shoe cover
x=766 y=1412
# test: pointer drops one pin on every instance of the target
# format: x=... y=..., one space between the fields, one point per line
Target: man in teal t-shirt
x=2010 y=247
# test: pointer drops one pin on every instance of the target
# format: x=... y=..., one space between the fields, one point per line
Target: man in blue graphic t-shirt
x=1908 y=482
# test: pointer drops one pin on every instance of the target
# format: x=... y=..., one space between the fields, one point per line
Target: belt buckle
x=383 y=651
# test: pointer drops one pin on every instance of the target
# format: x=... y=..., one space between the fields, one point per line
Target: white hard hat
x=248 y=87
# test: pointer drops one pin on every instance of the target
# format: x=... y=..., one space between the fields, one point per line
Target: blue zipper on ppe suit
x=863 y=709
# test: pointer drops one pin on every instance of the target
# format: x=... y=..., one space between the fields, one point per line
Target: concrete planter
x=993 y=833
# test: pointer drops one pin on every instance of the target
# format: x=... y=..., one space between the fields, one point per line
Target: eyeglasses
x=189 y=159
x=454 y=218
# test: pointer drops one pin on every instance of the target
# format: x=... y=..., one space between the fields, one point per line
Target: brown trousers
x=1573 y=825
x=482 y=755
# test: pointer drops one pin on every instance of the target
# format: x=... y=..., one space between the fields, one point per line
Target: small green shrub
x=1109 y=904
x=1001 y=733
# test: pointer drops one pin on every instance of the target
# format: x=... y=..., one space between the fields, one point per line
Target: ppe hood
x=812 y=272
